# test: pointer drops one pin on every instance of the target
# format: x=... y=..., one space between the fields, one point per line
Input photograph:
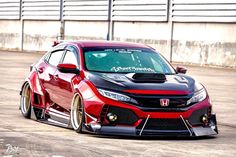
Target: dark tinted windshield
x=125 y=60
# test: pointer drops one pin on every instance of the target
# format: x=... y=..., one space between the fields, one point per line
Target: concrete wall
x=39 y=35
x=78 y=30
x=205 y=43
x=156 y=35
x=200 y=43
x=10 y=34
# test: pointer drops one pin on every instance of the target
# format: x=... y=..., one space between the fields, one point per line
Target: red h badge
x=164 y=102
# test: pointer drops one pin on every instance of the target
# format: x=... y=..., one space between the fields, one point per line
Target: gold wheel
x=77 y=113
x=26 y=98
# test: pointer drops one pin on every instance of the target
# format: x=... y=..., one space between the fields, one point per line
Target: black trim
x=144 y=102
x=195 y=117
x=132 y=131
x=124 y=116
x=164 y=132
x=148 y=78
x=171 y=124
x=111 y=130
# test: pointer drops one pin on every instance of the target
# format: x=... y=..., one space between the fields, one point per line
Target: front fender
x=92 y=104
x=34 y=83
x=84 y=88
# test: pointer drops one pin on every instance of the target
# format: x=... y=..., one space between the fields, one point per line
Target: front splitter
x=132 y=131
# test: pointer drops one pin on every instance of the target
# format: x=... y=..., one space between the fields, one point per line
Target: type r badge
x=164 y=102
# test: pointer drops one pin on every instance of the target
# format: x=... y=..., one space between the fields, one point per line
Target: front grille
x=152 y=102
x=163 y=124
x=155 y=102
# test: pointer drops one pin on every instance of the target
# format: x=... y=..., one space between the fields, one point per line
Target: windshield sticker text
x=132 y=69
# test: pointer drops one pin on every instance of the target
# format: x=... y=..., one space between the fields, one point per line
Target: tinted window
x=71 y=58
x=55 y=57
x=126 y=60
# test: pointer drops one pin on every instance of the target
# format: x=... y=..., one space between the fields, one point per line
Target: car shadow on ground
x=153 y=138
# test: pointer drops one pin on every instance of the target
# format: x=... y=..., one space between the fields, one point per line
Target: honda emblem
x=164 y=102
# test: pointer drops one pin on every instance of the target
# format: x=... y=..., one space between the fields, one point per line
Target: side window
x=55 y=57
x=71 y=58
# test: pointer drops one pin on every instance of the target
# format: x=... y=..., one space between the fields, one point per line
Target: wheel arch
x=85 y=89
x=23 y=85
x=91 y=102
x=34 y=83
x=38 y=92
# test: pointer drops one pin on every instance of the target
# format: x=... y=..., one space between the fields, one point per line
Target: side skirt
x=52 y=117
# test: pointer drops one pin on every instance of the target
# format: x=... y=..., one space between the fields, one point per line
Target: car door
x=47 y=70
x=65 y=89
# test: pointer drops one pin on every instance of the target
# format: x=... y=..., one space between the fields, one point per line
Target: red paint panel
x=69 y=66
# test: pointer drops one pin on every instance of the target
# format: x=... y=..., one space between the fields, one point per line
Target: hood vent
x=147 y=77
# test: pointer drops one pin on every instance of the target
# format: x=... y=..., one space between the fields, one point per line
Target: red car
x=115 y=88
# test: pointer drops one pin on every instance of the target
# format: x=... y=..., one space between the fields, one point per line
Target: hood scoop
x=146 y=77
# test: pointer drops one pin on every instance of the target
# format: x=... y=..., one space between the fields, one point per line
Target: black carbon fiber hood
x=121 y=82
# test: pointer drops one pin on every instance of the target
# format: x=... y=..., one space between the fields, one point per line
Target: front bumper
x=143 y=130
x=133 y=121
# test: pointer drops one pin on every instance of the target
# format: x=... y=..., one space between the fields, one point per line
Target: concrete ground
x=23 y=137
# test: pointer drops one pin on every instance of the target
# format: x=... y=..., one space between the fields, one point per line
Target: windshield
x=125 y=60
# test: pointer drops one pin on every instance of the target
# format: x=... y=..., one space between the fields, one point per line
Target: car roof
x=85 y=44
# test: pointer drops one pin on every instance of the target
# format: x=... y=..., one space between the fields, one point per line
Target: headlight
x=116 y=96
x=198 y=97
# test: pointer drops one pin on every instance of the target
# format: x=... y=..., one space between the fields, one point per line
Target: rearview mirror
x=68 y=68
x=181 y=70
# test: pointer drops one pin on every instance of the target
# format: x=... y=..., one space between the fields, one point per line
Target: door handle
x=40 y=70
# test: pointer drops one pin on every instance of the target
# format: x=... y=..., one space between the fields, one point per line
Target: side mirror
x=181 y=70
x=68 y=68
x=55 y=43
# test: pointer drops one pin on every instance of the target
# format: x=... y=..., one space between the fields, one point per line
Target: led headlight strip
x=198 y=97
x=116 y=96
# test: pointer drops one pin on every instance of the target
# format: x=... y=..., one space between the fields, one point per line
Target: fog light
x=205 y=119
x=112 y=117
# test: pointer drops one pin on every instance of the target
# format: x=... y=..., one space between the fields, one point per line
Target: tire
x=77 y=113
x=26 y=101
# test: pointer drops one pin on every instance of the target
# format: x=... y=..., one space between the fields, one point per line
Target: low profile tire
x=77 y=113
x=25 y=101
